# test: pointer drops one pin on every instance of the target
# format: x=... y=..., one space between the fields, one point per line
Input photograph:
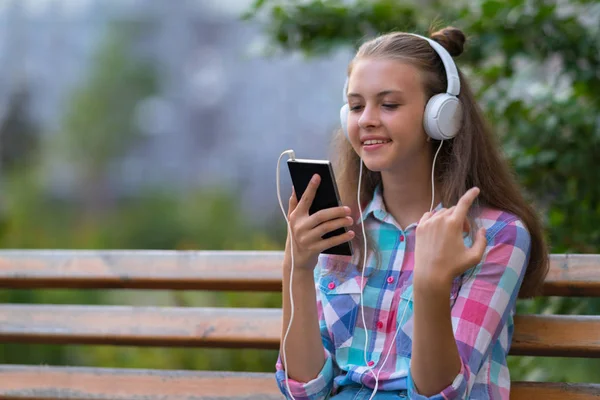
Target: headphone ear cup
x=344 y=119
x=443 y=116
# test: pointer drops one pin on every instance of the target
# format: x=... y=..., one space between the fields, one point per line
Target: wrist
x=301 y=267
x=432 y=280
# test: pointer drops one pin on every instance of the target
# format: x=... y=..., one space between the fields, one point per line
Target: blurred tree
x=99 y=125
x=19 y=144
x=535 y=66
x=19 y=135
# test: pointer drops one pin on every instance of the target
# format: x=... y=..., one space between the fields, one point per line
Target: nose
x=369 y=118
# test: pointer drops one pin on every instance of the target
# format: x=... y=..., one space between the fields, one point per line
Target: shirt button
x=390 y=279
x=402 y=238
x=331 y=285
x=371 y=363
x=379 y=324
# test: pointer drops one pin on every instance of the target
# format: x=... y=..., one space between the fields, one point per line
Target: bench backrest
x=540 y=335
x=570 y=274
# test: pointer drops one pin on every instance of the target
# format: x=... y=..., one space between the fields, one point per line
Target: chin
x=387 y=160
x=376 y=165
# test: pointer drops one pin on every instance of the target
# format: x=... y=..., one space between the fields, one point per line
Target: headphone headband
x=451 y=71
x=449 y=65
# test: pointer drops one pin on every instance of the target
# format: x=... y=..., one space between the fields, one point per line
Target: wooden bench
x=536 y=335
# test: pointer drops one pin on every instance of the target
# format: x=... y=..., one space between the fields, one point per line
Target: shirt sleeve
x=321 y=386
x=483 y=306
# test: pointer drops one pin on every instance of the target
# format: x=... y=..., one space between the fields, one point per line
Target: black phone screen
x=301 y=171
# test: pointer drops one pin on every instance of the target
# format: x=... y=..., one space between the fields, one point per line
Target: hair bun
x=451 y=38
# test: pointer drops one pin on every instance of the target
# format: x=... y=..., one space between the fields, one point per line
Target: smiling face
x=385 y=122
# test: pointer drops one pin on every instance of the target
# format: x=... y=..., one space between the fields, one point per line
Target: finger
x=293 y=203
x=425 y=217
x=465 y=202
x=442 y=211
x=327 y=214
x=317 y=233
x=449 y=211
x=309 y=194
x=335 y=240
x=475 y=253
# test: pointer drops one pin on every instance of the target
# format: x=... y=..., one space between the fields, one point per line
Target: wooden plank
x=542 y=335
x=141 y=326
x=570 y=275
x=556 y=335
x=142 y=269
x=574 y=275
x=81 y=383
x=554 y=391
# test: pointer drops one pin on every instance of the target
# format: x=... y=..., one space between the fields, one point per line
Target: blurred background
x=157 y=124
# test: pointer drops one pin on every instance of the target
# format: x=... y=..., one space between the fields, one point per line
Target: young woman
x=425 y=309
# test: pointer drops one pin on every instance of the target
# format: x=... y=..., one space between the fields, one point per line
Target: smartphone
x=327 y=195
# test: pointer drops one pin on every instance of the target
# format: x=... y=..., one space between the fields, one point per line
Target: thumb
x=475 y=253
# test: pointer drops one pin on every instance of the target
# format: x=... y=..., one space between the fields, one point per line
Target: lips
x=374 y=145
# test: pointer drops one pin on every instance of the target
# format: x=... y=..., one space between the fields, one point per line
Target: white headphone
x=443 y=111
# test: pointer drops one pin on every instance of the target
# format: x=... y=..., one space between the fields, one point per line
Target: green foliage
x=318 y=26
x=535 y=68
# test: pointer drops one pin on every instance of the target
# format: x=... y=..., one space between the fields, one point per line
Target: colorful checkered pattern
x=483 y=303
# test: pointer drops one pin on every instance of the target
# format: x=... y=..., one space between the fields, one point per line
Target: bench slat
x=574 y=275
x=141 y=326
x=81 y=383
x=554 y=391
x=50 y=383
x=556 y=335
x=547 y=335
x=570 y=275
x=142 y=269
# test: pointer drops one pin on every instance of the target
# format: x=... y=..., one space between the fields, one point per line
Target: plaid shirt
x=483 y=302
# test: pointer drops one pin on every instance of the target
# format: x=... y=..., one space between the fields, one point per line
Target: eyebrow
x=380 y=94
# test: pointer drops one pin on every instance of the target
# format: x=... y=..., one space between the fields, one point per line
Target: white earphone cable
x=285 y=367
x=362 y=275
x=432 y=175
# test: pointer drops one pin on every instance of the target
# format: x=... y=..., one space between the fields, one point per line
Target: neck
x=407 y=194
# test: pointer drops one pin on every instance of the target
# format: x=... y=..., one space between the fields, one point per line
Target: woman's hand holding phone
x=307 y=230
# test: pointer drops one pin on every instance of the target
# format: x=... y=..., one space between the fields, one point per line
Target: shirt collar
x=377 y=207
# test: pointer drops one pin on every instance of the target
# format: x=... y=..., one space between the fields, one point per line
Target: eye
x=391 y=106
x=355 y=108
